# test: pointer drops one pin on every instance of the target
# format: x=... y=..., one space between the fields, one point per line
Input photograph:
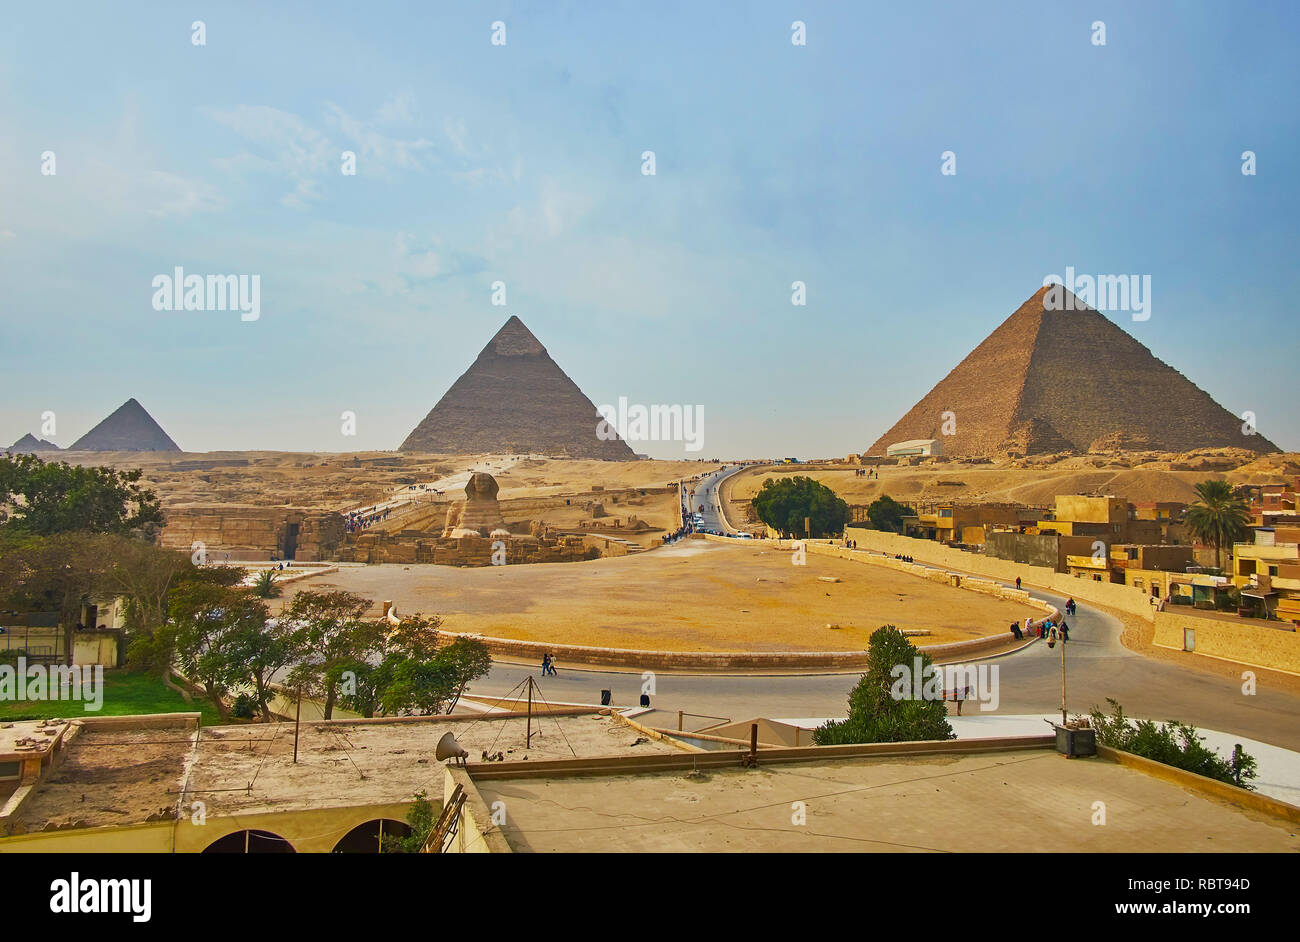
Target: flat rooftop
x=993 y=801
x=131 y=774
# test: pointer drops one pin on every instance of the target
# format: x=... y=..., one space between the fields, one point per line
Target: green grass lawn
x=124 y=692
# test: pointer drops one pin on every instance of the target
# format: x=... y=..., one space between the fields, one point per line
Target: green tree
x=44 y=498
x=885 y=513
x=208 y=630
x=258 y=651
x=882 y=707
x=785 y=504
x=54 y=573
x=422 y=819
x=1217 y=517
x=467 y=659
x=332 y=635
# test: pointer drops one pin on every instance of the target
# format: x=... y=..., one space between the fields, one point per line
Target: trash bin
x=645 y=699
x=605 y=697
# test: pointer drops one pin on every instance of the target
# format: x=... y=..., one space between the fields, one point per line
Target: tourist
x=546 y=664
x=1065 y=632
x=1017 y=582
x=551 y=666
x=1015 y=630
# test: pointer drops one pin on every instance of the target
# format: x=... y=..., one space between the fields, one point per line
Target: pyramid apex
x=514 y=340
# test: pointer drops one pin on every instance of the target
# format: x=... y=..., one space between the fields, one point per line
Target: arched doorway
x=250 y=842
x=368 y=837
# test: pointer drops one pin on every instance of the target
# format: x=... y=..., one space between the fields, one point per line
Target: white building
x=926 y=447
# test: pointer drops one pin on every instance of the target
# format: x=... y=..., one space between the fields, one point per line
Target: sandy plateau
x=692 y=596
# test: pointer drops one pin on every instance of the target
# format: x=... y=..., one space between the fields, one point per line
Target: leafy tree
x=258 y=651
x=885 y=513
x=332 y=636
x=422 y=819
x=783 y=505
x=1171 y=743
x=876 y=712
x=55 y=573
x=1217 y=517
x=209 y=628
x=152 y=647
x=468 y=660
x=44 y=498
x=418 y=687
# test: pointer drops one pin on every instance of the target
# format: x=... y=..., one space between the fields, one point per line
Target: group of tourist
x=906 y=559
x=1048 y=630
x=361 y=519
x=867 y=473
x=548 y=665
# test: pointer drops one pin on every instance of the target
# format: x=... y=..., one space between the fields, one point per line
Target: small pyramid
x=130 y=428
x=515 y=399
x=1048 y=381
x=30 y=444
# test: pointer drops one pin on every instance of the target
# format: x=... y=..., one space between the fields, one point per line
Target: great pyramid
x=129 y=428
x=514 y=399
x=30 y=444
x=1067 y=380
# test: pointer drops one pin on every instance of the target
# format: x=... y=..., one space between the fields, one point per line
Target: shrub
x=875 y=714
x=244 y=707
x=1173 y=743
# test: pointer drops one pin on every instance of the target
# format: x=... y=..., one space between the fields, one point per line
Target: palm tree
x=264 y=587
x=1217 y=517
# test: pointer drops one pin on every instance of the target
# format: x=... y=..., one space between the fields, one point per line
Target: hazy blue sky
x=522 y=163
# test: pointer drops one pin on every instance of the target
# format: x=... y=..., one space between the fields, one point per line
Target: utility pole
x=1063 y=678
x=297 y=725
x=529 y=740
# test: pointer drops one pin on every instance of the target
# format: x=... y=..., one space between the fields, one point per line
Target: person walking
x=552 y=666
x=546 y=664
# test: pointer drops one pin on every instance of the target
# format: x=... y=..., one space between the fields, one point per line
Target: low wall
x=1122 y=597
x=1249 y=641
x=782 y=660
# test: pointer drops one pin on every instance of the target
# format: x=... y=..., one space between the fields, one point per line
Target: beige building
x=1267 y=572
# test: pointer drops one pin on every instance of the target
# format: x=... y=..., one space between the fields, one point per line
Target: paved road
x=706 y=491
x=1029 y=681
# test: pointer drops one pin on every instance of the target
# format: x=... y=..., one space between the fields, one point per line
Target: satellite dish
x=448 y=748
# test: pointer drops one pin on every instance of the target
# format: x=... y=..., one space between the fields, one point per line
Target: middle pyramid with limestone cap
x=1060 y=376
x=514 y=399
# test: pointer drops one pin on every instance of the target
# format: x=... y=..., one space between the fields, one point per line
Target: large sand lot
x=694 y=596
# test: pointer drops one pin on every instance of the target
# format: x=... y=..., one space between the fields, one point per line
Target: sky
x=522 y=162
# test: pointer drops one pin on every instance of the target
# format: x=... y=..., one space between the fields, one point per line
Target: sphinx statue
x=479 y=514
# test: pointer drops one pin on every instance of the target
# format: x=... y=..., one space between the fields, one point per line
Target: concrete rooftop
x=998 y=801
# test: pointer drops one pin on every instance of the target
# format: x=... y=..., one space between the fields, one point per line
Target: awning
x=1260 y=594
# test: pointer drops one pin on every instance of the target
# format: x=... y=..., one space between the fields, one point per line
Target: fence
x=38 y=643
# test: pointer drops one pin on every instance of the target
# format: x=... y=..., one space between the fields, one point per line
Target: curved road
x=706 y=491
x=1098 y=666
